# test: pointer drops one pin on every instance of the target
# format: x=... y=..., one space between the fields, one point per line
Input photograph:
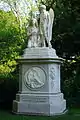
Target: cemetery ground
x=72 y=114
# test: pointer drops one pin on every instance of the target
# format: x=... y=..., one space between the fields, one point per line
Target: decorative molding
x=52 y=75
x=52 y=72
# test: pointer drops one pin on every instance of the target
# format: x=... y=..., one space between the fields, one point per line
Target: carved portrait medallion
x=35 y=77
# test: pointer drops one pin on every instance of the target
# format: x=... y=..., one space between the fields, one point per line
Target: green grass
x=73 y=114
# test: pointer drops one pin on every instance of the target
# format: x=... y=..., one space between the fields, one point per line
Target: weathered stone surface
x=39 y=52
x=39 y=83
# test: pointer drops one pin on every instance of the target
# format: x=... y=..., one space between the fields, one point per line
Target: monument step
x=39 y=52
x=39 y=108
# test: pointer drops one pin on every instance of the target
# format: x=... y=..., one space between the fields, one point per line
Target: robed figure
x=46 y=23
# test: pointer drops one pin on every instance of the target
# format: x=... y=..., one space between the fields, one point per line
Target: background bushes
x=70 y=74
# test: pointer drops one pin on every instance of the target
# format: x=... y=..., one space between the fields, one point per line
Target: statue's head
x=42 y=7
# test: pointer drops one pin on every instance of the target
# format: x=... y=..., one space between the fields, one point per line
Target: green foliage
x=67 y=28
x=71 y=81
x=10 y=42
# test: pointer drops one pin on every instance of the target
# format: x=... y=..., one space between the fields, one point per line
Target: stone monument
x=39 y=72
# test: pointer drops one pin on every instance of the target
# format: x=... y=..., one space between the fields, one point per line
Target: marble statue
x=39 y=71
x=33 y=33
x=40 y=33
x=46 y=23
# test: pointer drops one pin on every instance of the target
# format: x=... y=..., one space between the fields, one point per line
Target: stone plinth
x=39 y=83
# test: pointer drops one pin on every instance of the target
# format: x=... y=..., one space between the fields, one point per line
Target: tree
x=13 y=34
x=21 y=9
x=10 y=42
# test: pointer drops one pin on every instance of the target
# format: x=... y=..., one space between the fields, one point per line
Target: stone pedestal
x=39 y=83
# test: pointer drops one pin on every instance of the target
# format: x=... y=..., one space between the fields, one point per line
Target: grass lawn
x=73 y=114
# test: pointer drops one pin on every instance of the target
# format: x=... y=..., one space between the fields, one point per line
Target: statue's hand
x=49 y=45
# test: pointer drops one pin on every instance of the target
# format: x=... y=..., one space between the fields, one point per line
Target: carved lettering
x=36 y=99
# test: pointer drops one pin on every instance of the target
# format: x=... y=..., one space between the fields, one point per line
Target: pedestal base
x=39 y=104
x=39 y=83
